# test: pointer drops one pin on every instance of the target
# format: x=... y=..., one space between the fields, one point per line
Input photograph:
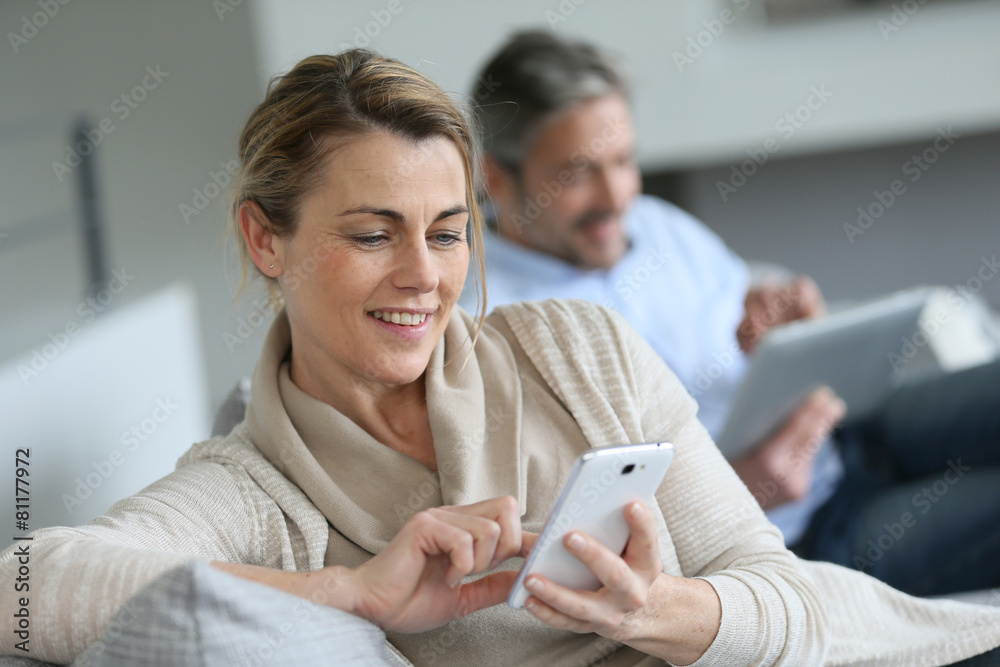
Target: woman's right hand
x=415 y=583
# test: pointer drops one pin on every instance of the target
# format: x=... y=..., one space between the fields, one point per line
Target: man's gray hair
x=534 y=77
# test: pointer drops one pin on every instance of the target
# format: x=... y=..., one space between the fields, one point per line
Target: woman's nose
x=416 y=268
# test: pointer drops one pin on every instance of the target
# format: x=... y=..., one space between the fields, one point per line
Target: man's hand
x=780 y=469
x=772 y=304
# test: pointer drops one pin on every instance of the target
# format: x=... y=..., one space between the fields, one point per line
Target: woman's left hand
x=674 y=618
x=626 y=581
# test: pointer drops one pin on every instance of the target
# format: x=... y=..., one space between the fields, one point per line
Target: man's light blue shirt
x=683 y=291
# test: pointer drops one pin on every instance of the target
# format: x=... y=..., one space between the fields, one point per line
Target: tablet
x=849 y=351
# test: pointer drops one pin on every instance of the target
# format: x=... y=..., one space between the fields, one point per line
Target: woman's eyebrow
x=373 y=210
x=399 y=217
x=454 y=210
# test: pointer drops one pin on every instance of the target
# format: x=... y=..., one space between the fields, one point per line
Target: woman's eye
x=370 y=240
x=447 y=239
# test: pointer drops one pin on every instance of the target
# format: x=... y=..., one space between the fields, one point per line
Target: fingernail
x=531 y=604
x=575 y=541
x=533 y=585
x=455 y=582
x=635 y=511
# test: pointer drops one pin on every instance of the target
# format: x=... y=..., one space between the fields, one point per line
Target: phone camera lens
x=629 y=468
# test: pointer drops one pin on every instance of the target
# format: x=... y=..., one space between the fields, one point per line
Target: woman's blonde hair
x=324 y=102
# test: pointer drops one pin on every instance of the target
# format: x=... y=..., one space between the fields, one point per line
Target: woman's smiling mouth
x=397 y=317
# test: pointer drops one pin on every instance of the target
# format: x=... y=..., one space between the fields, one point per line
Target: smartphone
x=601 y=484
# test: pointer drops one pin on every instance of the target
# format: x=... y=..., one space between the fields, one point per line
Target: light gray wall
x=89 y=53
x=80 y=61
x=793 y=212
x=880 y=87
x=712 y=76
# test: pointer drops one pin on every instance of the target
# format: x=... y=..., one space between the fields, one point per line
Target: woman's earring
x=272 y=266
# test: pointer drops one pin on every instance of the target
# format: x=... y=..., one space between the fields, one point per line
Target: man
x=570 y=222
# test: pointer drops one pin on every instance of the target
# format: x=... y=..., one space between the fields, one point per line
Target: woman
x=394 y=446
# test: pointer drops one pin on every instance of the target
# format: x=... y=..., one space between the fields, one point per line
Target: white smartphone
x=601 y=484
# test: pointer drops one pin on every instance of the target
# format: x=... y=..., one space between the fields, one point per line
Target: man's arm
x=784 y=462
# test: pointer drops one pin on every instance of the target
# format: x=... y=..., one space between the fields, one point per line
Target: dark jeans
x=989 y=659
x=919 y=504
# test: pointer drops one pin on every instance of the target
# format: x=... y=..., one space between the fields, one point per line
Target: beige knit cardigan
x=298 y=486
